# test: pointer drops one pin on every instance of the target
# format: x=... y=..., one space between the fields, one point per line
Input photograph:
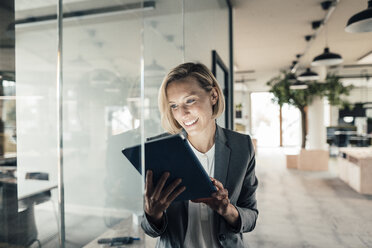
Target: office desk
x=28 y=190
x=355 y=168
x=33 y=192
x=8 y=159
x=30 y=187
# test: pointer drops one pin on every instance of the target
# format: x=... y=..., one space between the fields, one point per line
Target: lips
x=190 y=123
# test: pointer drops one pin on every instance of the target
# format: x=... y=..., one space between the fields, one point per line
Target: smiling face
x=192 y=106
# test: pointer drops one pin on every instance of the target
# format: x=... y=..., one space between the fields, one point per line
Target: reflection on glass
x=8 y=182
x=7 y=83
x=25 y=185
x=102 y=116
x=206 y=29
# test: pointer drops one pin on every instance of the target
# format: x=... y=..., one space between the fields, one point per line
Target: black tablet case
x=174 y=155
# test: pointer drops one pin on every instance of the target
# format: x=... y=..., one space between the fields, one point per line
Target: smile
x=190 y=123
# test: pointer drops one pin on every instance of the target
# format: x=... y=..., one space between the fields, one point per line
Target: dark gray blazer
x=235 y=169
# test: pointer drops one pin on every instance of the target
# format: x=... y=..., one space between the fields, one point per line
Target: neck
x=205 y=140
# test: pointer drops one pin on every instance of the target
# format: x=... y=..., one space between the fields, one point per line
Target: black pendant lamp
x=308 y=75
x=361 y=22
x=294 y=83
x=327 y=58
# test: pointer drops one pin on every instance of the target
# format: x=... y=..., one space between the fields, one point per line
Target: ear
x=214 y=96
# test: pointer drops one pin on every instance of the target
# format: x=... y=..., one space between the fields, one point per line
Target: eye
x=189 y=101
x=173 y=106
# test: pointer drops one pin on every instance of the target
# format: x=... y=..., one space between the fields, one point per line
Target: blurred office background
x=115 y=55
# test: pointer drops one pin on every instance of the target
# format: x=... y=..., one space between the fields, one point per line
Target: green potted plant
x=332 y=88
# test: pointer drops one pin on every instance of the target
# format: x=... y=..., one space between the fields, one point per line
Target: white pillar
x=316 y=127
x=334 y=116
x=317 y=138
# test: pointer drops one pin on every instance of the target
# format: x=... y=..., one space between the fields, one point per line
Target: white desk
x=355 y=168
x=28 y=191
x=30 y=187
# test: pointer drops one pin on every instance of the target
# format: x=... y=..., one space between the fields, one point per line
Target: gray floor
x=297 y=209
x=307 y=209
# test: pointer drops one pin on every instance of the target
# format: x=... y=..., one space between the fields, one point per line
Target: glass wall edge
x=61 y=198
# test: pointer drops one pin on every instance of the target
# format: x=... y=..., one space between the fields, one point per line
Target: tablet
x=174 y=155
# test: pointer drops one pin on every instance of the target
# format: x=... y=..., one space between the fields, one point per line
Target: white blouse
x=200 y=227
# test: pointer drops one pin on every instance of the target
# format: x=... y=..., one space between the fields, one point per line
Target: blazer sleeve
x=150 y=229
x=247 y=204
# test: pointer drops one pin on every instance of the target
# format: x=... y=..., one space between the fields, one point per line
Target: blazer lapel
x=222 y=156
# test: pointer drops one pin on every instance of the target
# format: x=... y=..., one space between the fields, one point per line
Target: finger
x=160 y=185
x=217 y=196
x=171 y=188
x=226 y=193
x=214 y=182
x=221 y=194
x=175 y=194
x=225 y=202
x=218 y=184
x=149 y=185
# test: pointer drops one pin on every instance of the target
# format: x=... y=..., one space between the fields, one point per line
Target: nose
x=184 y=110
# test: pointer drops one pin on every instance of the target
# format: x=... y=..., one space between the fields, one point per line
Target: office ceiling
x=268 y=35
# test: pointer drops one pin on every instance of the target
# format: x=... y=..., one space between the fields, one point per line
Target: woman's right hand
x=157 y=199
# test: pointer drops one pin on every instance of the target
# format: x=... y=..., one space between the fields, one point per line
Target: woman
x=190 y=100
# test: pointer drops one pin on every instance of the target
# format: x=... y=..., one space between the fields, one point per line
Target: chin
x=191 y=132
x=194 y=131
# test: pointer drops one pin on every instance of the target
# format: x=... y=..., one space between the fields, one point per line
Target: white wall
x=360 y=94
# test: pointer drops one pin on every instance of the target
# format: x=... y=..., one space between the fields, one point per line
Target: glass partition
x=207 y=36
x=102 y=111
x=115 y=56
x=28 y=122
x=206 y=29
x=36 y=104
x=163 y=50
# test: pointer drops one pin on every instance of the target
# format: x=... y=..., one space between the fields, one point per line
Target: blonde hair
x=206 y=80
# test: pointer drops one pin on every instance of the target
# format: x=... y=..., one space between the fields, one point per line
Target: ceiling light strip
x=117 y=9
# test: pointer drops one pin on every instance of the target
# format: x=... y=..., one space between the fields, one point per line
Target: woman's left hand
x=220 y=203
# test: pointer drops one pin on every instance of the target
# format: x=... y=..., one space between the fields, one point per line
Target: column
x=316 y=129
